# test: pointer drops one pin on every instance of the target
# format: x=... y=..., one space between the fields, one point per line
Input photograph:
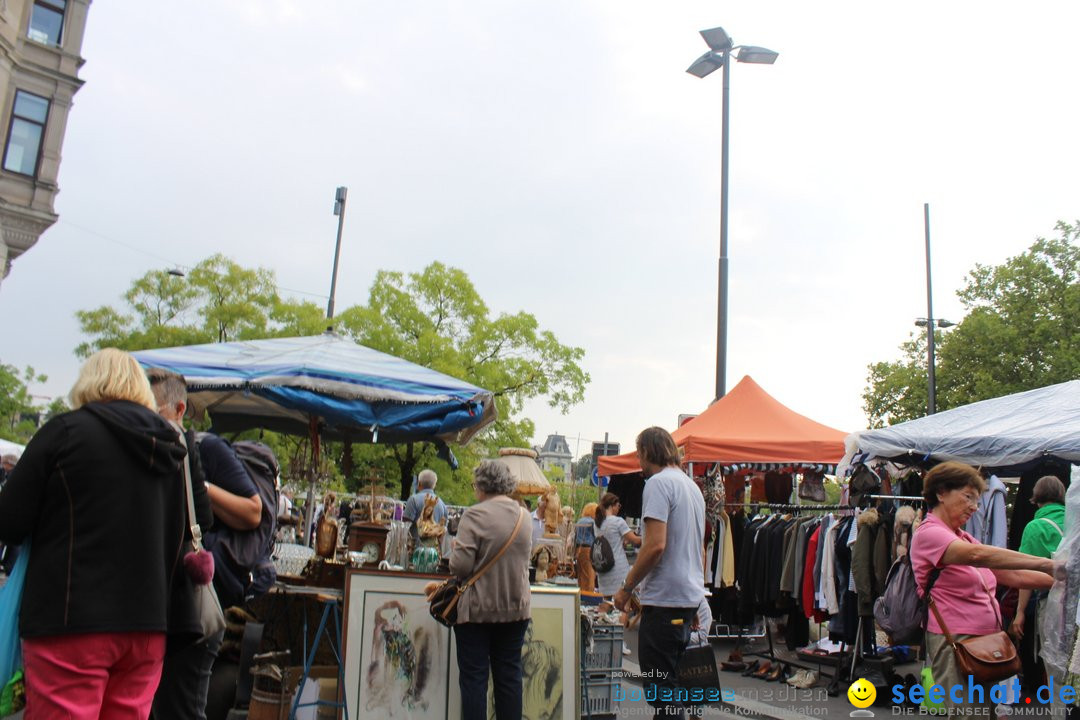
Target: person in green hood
x=1041 y=537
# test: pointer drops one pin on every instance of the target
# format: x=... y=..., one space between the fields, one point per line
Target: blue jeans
x=662 y=638
x=494 y=648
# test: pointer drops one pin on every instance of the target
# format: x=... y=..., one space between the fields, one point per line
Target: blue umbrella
x=343 y=389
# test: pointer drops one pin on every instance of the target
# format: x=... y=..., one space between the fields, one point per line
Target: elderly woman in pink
x=970 y=572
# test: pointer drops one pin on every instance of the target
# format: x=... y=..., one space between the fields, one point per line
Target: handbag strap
x=941 y=623
x=506 y=545
x=193 y=524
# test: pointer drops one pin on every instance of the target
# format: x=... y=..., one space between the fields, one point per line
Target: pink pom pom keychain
x=200 y=566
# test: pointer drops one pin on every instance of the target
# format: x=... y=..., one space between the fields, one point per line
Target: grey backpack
x=900 y=612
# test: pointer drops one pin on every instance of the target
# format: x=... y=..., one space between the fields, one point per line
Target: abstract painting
x=397 y=658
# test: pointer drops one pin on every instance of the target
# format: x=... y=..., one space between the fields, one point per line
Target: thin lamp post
x=339 y=210
x=931 y=398
x=930 y=324
x=719 y=56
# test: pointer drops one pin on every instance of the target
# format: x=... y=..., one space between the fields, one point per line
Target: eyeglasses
x=972 y=500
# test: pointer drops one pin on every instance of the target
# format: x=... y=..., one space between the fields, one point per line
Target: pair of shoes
x=763 y=670
x=803 y=679
x=733 y=666
x=751 y=668
x=779 y=672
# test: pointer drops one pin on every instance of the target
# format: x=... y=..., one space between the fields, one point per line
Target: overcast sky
x=558 y=152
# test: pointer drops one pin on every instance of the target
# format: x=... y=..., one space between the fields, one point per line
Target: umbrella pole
x=309 y=506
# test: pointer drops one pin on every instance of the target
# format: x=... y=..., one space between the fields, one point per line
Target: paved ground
x=753 y=698
x=746 y=697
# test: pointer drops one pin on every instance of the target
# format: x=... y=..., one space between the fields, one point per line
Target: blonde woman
x=100 y=495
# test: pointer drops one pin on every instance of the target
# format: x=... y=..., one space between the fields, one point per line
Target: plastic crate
x=606 y=653
x=601 y=699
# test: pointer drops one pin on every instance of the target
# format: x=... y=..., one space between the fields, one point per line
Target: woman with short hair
x=494 y=613
x=964 y=591
x=100 y=494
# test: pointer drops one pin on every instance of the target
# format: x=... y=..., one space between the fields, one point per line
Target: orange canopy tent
x=748 y=425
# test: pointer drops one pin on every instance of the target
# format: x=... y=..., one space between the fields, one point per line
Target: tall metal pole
x=931 y=402
x=722 y=280
x=599 y=482
x=339 y=210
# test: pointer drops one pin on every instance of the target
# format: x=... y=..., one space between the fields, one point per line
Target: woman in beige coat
x=493 y=614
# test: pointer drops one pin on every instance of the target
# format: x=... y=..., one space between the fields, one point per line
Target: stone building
x=40 y=42
x=556 y=453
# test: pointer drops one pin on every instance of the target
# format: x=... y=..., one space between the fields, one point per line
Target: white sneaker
x=796 y=678
x=626 y=651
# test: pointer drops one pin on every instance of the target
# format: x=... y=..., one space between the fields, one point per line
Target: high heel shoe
x=763 y=671
x=751 y=668
x=777 y=671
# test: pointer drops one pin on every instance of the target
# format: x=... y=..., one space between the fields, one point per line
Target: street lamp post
x=339 y=210
x=719 y=56
x=930 y=324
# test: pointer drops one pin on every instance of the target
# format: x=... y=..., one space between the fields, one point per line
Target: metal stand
x=330 y=607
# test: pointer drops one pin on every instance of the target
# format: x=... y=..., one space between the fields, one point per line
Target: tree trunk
x=407 y=464
x=348 y=464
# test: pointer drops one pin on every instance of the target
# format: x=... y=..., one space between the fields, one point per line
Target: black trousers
x=662 y=639
x=494 y=648
x=185 y=681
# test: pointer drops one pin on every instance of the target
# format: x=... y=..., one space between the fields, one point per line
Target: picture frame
x=397 y=658
x=555 y=636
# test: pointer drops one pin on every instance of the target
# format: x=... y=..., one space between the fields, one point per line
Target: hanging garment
x=988 y=523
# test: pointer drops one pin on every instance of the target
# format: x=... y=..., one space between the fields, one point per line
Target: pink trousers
x=112 y=676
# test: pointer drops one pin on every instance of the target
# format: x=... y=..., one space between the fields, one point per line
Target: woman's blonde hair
x=112 y=374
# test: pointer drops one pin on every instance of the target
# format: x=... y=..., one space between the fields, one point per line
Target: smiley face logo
x=862 y=693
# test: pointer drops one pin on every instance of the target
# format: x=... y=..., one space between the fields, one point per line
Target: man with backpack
x=238 y=515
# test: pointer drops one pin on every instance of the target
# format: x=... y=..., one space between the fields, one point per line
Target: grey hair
x=10 y=458
x=426 y=479
x=493 y=478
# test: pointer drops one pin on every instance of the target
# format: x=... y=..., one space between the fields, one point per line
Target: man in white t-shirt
x=669 y=568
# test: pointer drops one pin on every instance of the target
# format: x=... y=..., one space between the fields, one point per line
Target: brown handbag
x=986 y=658
x=443 y=600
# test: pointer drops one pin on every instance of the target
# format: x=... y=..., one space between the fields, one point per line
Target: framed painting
x=551 y=660
x=397 y=659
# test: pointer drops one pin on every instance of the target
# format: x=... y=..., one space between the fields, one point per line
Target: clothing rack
x=912 y=498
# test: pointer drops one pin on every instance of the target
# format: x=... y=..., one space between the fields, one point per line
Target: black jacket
x=99 y=492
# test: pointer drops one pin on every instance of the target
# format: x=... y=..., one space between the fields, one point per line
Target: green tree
x=583 y=468
x=436 y=318
x=217 y=301
x=1019 y=333
x=19 y=415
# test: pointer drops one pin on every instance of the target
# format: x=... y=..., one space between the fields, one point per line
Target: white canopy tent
x=1006 y=432
x=9 y=448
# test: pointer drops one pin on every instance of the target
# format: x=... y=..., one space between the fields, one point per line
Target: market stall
x=1026 y=435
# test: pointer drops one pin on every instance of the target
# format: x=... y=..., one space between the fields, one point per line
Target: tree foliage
x=217 y=301
x=1019 y=333
x=20 y=415
x=434 y=318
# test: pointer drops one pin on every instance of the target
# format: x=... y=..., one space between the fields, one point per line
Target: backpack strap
x=489 y=563
x=1056 y=526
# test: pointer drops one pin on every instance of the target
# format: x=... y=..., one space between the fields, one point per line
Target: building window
x=47 y=21
x=24 y=136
